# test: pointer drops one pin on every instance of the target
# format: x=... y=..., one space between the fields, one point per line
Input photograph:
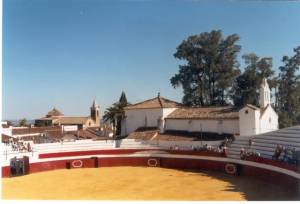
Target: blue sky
x=63 y=53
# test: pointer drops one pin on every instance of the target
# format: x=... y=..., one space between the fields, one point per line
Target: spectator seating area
x=266 y=144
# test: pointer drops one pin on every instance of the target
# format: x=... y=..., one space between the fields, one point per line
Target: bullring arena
x=129 y=169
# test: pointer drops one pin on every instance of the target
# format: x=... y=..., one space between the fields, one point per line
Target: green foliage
x=289 y=91
x=246 y=86
x=23 y=122
x=211 y=66
x=116 y=113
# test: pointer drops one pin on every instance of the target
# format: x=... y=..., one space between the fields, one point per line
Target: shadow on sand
x=253 y=189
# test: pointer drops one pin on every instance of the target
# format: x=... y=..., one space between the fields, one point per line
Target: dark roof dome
x=54 y=112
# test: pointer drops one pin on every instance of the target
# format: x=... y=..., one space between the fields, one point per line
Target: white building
x=256 y=120
x=165 y=115
x=149 y=113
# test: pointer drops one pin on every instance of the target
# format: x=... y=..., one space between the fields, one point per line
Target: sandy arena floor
x=139 y=183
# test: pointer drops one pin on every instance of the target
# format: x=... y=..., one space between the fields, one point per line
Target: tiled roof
x=143 y=135
x=157 y=102
x=72 y=120
x=227 y=112
x=35 y=130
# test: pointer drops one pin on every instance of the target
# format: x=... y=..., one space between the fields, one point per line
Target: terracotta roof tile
x=227 y=112
x=35 y=130
x=157 y=102
x=72 y=120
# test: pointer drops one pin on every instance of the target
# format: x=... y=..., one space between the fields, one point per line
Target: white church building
x=166 y=115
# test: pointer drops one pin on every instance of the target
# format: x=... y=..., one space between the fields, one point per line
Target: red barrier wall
x=177 y=163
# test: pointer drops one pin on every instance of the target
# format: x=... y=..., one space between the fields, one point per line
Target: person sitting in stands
x=226 y=141
x=250 y=142
x=277 y=152
x=28 y=147
x=285 y=154
x=294 y=157
x=243 y=154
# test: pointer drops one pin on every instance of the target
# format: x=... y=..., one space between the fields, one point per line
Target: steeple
x=95 y=112
x=264 y=94
x=94 y=103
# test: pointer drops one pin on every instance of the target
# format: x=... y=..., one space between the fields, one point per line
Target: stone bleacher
x=266 y=143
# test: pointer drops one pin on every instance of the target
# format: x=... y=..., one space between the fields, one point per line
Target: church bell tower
x=95 y=113
x=264 y=94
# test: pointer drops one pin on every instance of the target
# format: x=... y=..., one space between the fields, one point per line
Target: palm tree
x=116 y=113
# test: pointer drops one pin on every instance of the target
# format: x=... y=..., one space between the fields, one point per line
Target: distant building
x=55 y=117
x=165 y=115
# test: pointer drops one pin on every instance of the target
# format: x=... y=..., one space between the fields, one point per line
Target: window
x=270 y=120
x=246 y=111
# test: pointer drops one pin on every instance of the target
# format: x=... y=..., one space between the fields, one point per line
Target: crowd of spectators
x=281 y=153
x=220 y=149
x=248 y=153
x=18 y=145
x=285 y=154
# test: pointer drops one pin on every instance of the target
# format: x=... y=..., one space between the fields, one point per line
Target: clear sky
x=63 y=53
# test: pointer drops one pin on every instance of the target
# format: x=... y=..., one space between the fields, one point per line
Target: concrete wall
x=214 y=126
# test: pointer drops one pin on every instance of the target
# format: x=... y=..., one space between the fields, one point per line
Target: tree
x=211 y=66
x=23 y=122
x=289 y=91
x=116 y=113
x=246 y=86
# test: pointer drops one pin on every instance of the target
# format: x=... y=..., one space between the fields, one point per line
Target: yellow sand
x=137 y=183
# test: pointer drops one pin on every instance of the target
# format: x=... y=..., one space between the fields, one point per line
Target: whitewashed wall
x=6 y=131
x=135 y=118
x=268 y=121
x=248 y=123
x=214 y=126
